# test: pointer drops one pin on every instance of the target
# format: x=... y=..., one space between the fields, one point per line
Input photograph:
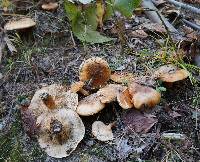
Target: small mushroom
x=96 y=71
x=60 y=132
x=170 y=73
x=51 y=6
x=124 y=99
x=101 y=131
x=109 y=93
x=143 y=95
x=90 y=105
x=52 y=97
x=78 y=87
x=22 y=23
x=122 y=77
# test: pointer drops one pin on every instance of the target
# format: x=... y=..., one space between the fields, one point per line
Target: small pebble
x=1 y=76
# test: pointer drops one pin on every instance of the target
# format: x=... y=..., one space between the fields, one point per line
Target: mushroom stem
x=56 y=127
x=48 y=100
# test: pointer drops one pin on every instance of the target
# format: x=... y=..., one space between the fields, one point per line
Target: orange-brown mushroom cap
x=124 y=99
x=19 y=24
x=170 y=73
x=143 y=95
x=50 y=6
x=90 y=105
x=96 y=71
x=109 y=93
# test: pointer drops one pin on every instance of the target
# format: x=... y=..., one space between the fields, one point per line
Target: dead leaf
x=154 y=27
x=159 y=2
x=136 y=121
x=174 y=114
x=100 y=11
x=139 y=34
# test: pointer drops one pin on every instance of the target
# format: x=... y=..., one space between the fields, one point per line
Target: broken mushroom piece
x=52 y=97
x=96 y=71
x=143 y=96
x=22 y=23
x=170 y=73
x=60 y=132
x=101 y=131
x=90 y=105
x=51 y=6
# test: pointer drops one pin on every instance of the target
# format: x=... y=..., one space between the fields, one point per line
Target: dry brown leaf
x=100 y=12
x=154 y=27
x=136 y=121
x=139 y=34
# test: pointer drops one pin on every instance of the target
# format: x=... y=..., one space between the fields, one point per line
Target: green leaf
x=71 y=10
x=84 y=23
x=86 y=34
x=126 y=7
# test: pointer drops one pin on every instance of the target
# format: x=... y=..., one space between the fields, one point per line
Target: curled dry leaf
x=136 y=121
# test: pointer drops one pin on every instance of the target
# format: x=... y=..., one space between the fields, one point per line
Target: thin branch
x=194 y=26
x=185 y=6
x=153 y=15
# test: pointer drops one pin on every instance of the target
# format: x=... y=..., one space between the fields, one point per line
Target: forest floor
x=50 y=54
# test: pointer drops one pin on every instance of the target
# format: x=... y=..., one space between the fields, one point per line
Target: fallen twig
x=195 y=26
x=185 y=6
x=153 y=15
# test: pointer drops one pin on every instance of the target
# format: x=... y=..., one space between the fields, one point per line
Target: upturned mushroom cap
x=170 y=73
x=124 y=99
x=20 y=24
x=90 y=105
x=96 y=71
x=109 y=93
x=52 y=97
x=77 y=86
x=122 y=77
x=143 y=95
x=50 y=6
x=60 y=132
x=101 y=131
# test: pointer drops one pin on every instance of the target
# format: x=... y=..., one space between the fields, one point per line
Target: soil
x=48 y=54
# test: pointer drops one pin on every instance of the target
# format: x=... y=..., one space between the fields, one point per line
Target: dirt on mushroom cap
x=59 y=95
x=96 y=71
x=68 y=118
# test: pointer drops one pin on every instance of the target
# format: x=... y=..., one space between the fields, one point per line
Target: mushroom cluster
x=57 y=110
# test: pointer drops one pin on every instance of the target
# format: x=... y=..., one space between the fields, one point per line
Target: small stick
x=153 y=15
x=195 y=26
x=185 y=6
